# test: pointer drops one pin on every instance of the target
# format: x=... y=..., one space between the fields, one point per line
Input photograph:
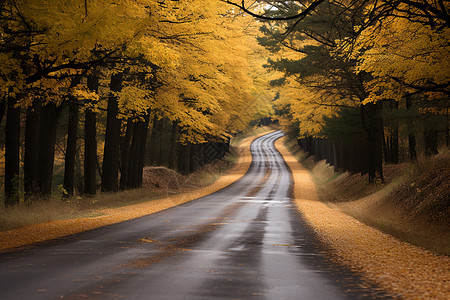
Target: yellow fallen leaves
x=56 y=229
x=398 y=267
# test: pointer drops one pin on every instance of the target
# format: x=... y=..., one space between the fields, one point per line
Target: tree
x=112 y=139
x=90 y=141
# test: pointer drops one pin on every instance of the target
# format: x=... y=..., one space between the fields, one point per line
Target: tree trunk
x=141 y=153
x=110 y=171
x=90 y=153
x=126 y=148
x=411 y=136
x=173 y=156
x=31 y=157
x=194 y=158
x=90 y=143
x=12 y=148
x=430 y=137
x=2 y=108
x=374 y=127
x=47 y=140
x=394 y=135
x=71 y=147
x=137 y=154
x=184 y=154
x=154 y=143
x=165 y=143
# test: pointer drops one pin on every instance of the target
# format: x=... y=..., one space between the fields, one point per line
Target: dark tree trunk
x=110 y=171
x=90 y=153
x=137 y=154
x=141 y=153
x=47 y=140
x=430 y=137
x=2 y=109
x=386 y=149
x=194 y=158
x=154 y=143
x=393 y=146
x=374 y=125
x=165 y=143
x=184 y=154
x=12 y=148
x=90 y=143
x=71 y=147
x=125 y=155
x=173 y=153
x=31 y=156
x=411 y=136
x=133 y=159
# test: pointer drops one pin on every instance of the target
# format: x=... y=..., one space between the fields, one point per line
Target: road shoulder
x=398 y=267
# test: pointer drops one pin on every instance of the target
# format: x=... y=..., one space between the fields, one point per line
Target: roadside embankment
x=59 y=228
x=400 y=268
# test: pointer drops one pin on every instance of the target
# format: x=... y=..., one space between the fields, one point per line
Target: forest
x=96 y=90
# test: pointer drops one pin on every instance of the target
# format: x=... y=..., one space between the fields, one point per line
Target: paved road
x=244 y=242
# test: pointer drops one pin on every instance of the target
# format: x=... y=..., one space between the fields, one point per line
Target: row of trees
x=116 y=69
x=368 y=76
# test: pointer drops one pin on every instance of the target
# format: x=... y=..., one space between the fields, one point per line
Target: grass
x=413 y=204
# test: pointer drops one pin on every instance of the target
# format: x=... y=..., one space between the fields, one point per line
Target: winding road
x=246 y=241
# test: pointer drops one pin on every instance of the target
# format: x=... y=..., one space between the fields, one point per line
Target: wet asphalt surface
x=246 y=241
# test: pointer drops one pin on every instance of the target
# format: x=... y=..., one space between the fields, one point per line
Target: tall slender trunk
x=430 y=139
x=173 y=154
x=141 y=153
x=90 y=143
x=47 y=140
x=374 y=127
x=31 y=157
x=137 y=153
x=71 y=147
x=125 y=155
x=411 y=136
x=2 y=108
x=165 y=143
x=394 y=134
x=12 y=148
x=110 y=173
x=154 y=143
x=184 y=154
x=90 y=152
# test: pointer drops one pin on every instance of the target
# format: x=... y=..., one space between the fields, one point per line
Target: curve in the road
x=246 y=241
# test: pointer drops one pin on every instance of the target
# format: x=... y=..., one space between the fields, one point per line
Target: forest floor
x=405 y=270
x=162 y=189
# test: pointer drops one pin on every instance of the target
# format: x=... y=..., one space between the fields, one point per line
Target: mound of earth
x=161 y=178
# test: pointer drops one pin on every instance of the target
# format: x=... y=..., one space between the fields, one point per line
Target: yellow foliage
x=403 y=57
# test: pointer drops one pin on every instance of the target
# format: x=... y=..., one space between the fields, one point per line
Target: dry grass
x=404 y=270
